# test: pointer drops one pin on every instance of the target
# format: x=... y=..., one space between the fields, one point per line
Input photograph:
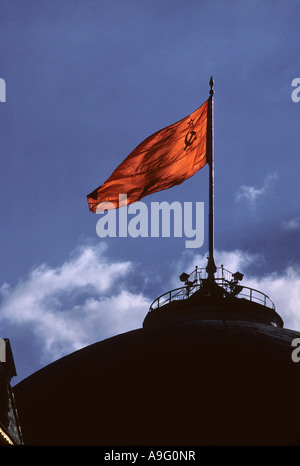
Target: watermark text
x=2 y=350
x=296 y=351
x=2 y=90
x=296 y=91
x=164 y=220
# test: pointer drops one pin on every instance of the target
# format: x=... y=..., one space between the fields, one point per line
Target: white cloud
x=284 y=289
x=65 y=308
x=231 y=260
x=291 y=225
x=251 y=194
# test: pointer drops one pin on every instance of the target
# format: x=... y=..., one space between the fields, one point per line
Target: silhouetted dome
x=194 y=375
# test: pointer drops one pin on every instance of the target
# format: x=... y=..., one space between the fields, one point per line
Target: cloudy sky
x=86 y=82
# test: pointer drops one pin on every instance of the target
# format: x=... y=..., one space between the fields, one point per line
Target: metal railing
x=224 y=278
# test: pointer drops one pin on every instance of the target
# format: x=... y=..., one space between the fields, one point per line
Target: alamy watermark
x=2 y=90
x=2 y=350
x=135 y=220
x=296 y=351
x=296 y=92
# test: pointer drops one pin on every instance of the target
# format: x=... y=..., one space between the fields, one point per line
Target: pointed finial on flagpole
x=211 y=83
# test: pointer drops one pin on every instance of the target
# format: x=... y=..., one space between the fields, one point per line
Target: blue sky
x=86 y=82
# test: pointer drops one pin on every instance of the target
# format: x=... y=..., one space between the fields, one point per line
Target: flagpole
x=211 y=266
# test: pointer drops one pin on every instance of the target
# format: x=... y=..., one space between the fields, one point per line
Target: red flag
x=165 y=159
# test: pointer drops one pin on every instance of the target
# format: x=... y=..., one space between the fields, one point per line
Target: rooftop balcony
x=222 y=297
x=226 y=280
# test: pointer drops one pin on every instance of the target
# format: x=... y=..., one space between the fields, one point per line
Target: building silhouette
x=10 y=431
x=211 y=365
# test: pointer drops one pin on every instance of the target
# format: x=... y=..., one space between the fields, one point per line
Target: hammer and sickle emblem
x=190 y=135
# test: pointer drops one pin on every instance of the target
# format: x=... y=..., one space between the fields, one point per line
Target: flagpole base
x=211 y=269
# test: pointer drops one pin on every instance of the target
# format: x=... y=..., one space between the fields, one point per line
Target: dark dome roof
x=194 y=382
